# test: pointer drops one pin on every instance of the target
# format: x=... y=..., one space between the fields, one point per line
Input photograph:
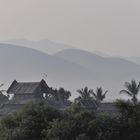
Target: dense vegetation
x=40 y=122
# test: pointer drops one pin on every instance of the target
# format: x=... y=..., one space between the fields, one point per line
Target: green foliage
x=78 y=113
x=83 y=137
x=129 y=119
x=64 y=94
x=59 y=130
x=104 y=127
x=28 y=124
x=60 y=94
x=40 y=122
x=72 y=126
x=129 y=112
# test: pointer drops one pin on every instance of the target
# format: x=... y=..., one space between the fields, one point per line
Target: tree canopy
x=40 y=122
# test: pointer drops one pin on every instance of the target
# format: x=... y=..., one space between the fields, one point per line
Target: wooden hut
x=28 y=91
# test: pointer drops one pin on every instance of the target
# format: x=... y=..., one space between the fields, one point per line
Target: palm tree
x=99 y=96
x=85 y=93
x=132 y=89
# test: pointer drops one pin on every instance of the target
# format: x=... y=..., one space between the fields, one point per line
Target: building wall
x=27 y=97
x=20 y=97
x=38 y=96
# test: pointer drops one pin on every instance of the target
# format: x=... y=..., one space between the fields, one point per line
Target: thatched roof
x=27 y=87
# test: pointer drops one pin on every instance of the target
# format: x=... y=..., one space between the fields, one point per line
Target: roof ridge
x=27 y=82
x=25 y=87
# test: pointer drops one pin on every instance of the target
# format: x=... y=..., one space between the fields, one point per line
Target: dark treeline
x=40 y=122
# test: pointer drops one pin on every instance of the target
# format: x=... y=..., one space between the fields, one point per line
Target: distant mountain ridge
x=44 y=45
x=71 y=68
x=109 y=65
x=134 y=59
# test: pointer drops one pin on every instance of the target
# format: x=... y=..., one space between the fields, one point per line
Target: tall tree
x=99 y=95
x=132 y=89
x=58 y=94
x=63 y=94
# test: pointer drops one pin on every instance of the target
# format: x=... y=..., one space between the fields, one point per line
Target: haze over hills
x=107 y=67
x=134 y=59
x=44 y=45
x=71 y=68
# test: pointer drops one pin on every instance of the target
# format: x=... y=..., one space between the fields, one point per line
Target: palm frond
x=126 y=92
x=94 y=94
x=80 y=91
x=106 y=92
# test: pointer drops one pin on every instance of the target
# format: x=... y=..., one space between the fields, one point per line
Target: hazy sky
x=110 y=26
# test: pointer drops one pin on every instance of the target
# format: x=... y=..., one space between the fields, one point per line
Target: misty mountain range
x=44 y=45
x=64 y=66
